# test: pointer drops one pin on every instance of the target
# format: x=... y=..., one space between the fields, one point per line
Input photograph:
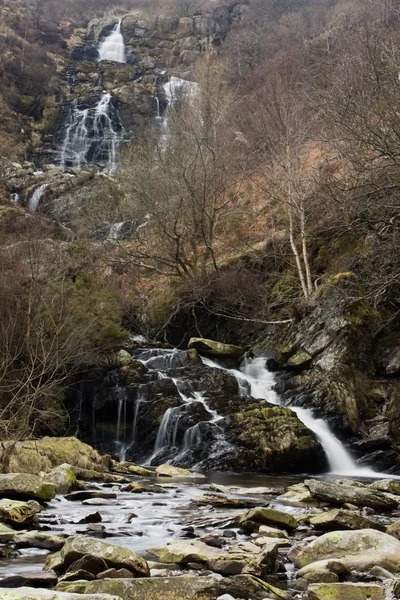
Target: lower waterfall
x=113 y=47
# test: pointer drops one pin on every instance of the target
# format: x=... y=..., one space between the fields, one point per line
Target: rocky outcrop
x=346 y=491
x=24 y=486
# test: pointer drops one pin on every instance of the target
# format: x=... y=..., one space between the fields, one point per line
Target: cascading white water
x=113 y=47
x=115 y=230
x=174 y=91
x=92 y=136
x=37 y=197
x=261 y=383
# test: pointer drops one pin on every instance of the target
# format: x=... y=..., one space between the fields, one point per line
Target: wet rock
x=89 y=563
x=28 y=593
x=131 y=468
x=115 y=574
x=394 y=530
x=298 y=493
x=213 y=348
x=136 y=488
x=37 y=579
x=24 y=486
x=345 y=591
x=90 y=494
x=324 y=572
x=341 y=493
x=115 y=556
x=341 y=519
x=6 y=533
x=170 y=471
x=216 y=501
x=98 y=502
x=359 y=550
x=63 y=478
x=213 y=541
x=268 y=516
x=15 y=512
x=92 y=518
x=187 y=588
x=79 y=575
x=37 y=539
x=392 y=486
x=271 y=532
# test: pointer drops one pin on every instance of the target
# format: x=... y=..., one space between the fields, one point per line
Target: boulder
x=392 y=486
x=89 y=495
x=213 y=348
x=28 y=593
x=76 y=547
x=358 y=550
x=345 y=591
x=186 y=588
x=326 y=571
x=342 y=519
x=394 y=530
x=214 y=500
x=268 y=516
x=271 y=532
x=89 y=563
x=36 y=579
x=348 y=492
x=170 y=471
x=38 y=539
x=131 y=468
x=19 y=513
x=297 y=494
x=24 y=486
x=6 y=533
x=63 y=478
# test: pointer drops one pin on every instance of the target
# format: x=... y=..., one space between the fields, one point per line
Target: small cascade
x=15 y=198
x=175 y=90
x=115 y=230
x=37 y=197
x=113 y=48
x=92 y=135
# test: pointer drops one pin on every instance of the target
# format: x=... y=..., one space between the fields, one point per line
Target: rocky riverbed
x=129 y=533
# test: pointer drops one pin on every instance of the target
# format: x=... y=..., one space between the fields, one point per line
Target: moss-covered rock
x=6 y=533
x=171 y=471
x=19 y=513
x=63 y=478
x=343 y=519
x=214 y=348
x=131 y=468
x=394 y=530
x=346 y=492
x=392 y=486
x=345 y=591
x=323 y=572
x=76 y=547
x=25 y=486
x=39 y=539
x=26 y=593
x=268 y=516
x=359 y=550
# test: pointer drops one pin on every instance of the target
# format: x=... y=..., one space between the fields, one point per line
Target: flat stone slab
x=28 y=593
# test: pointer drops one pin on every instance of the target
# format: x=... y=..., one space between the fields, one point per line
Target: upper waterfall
x=113 y=47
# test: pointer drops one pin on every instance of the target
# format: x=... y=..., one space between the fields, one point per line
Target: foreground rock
x=37 y=579
x=267 y=516
x=114 y=556
x=359 y=550
x=170 y=471
x=38 y=539
x=15 y=512
x=186 y=588
x=345 y=591
x=24 y=486
x=348 y=492
x=213 y=348
x=341 y=520
x=63 y=478
x=28 y=593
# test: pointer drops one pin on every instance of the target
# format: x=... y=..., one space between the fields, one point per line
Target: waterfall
x=37 y=197
x=261 y=383
x=115 y=230
x=113 y=47
x=121 y=423
x=174 y=90
x=92 y=135
x=14 y=198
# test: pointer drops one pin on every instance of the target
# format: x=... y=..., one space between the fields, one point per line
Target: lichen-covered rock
x=39 y=539
x=394 y=530
x=76 y=547
x=340 y=493
x=359 y=550
x=392 y=486
x=298 y=493
x=343 y=519
x=186 y=588
x=6 y=533
x=214 y=348
x=345 y=591
x=16 y=512
x=27 y=593
x=326 y=571
x=268 y=516
x=131 y=468
x=63 y=478
x=171 y=471
x=24 y=486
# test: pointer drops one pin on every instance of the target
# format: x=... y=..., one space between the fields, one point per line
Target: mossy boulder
x=171 y=471
x=213 y=348
x=268 y=516
x=24 y=486
x=33 y=456
x=298 y=494
x=26 y=593
x=392 y=486
x=19 y=513
x=6 y=533
x=342 y=520
x=63 y=478
x=186 y=588
x=76 y=547
x=131 y=468
x=359 y=550
x=394 y=530
x=342 y=492
x=327 y=571
x=345 y=591
x=39 y=539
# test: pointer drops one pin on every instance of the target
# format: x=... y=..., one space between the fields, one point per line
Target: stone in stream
x=391 y=486
x=205 y=346
x=63 y=478
x=79 y=575
x=6 y=533
x=216 y=501
x=91 y=518
x=76 y=547
x=16 y=512
x=115 y=574
x=345 y=591
x=394 y=530
x=297 y=493
x=186 y=588
x=131 y=468
x=265 y=530
x=98 y=502
x=89 y=563
x=327 y=571
x=170 y=471
x=342 y=519
x=358 y=550
x=340 y=493
x=267 y=516
x=29 y=593
x=24 y=486
x=136 y=488
x=38 y=539
x=89 y=495
x=36 y=579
